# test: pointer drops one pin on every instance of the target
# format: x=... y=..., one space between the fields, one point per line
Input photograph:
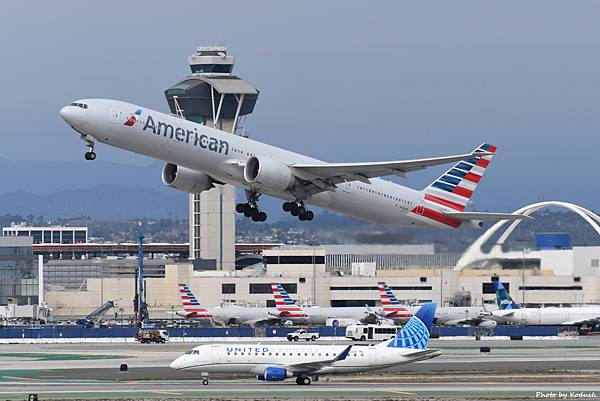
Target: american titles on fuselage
x=186 y=135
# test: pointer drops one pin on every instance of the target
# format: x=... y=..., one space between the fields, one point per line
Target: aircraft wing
x=335 y=173
x=316 y=365
x=486 y=216
x=581 y=322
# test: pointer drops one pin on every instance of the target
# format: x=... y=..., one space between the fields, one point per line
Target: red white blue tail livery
x=191 y=307
x=286 y=306
x=390 y=306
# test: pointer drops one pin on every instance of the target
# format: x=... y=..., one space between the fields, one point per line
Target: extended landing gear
x=89 y=155
x=250 y=209
x=303 y=380
x=298 y=209
x=205 y=379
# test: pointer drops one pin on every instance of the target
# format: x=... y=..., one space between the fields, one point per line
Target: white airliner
x=511 y=312
x=392 y=309
x=274 y=362
x=231 y=314
x=199 y=157
x=287 y=309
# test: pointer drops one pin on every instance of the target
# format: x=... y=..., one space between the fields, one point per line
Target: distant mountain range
x=100 y=202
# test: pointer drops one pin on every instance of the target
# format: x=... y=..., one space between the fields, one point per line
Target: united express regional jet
x=199 y=157
x=277 y=362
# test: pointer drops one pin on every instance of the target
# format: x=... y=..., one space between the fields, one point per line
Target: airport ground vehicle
x=365 y=332
x=145 y=336
x=302 y=335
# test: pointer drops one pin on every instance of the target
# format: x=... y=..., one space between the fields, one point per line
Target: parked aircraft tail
x=503 y=298
x=415 y=334
x=392 y=308
x=285 y=305
x=191 y=304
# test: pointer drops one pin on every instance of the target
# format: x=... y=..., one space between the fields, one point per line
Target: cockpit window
x=189 y=352
x=81 y=105
x=195 y=352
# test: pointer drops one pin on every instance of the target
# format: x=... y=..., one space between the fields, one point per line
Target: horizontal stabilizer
x=486 y=216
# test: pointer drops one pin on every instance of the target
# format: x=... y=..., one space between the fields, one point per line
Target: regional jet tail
x=277 y=362
x=191 y=307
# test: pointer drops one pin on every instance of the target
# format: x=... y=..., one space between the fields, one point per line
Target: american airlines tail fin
x=415 y=334
x=503 y=298
x=190 y=303
x=286 y=307
x=392 y=308
x=455 y=188
x=444 y=201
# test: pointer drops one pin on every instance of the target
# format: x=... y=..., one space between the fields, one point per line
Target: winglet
x=343 y=354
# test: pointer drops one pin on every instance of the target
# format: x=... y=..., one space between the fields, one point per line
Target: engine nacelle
x=186 y=180
x=274 y=375
x=473 y=224
x=268 y=173
x=488 y=323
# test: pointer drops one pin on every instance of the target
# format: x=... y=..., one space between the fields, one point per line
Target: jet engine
x=268 y=173
x=488 y=323
x=185 y=179
x=274 y=375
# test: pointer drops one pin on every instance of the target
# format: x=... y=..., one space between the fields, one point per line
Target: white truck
x=302 y=334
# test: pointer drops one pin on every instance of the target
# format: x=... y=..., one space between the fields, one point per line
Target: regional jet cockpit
x=80 y=105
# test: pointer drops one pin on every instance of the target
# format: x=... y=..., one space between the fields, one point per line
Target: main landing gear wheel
x=205 y=382
x=303 y=380
x=298 y=209
x=250 y=209
x=90 y=155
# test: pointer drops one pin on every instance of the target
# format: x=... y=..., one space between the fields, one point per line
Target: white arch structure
x=474 y=253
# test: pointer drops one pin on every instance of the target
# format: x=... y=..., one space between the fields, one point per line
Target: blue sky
x=341 y=81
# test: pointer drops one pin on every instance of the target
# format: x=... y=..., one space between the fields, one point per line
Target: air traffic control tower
x=213 y=96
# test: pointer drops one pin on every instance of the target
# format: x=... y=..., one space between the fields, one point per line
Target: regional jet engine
x=186 y=180
x=268 y=173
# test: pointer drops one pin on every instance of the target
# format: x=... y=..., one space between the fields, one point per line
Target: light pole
x=523 y=241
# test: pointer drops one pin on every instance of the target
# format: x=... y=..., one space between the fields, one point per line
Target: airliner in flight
x=199 y=157
x=511 y=312
x=275 y=362
x=392 y=309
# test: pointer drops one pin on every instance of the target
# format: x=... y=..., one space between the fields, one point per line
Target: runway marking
x=402 y=392
x=167 y=392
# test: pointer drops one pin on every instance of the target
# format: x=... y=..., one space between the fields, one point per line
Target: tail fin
x=392 y=308
x=189 y=301
x=503 y=298
x=455 y=188
x=415 y=334
x=285 y=305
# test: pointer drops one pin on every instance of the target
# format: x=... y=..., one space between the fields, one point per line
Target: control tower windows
x=208 y=68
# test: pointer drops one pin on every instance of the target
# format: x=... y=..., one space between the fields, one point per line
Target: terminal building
x=49 y=234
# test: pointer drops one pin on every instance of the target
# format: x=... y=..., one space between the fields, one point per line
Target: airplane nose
x=176 y=364
x=69 y=114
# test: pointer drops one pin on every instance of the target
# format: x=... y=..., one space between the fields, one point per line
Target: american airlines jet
x=447 y=315
x=288 y=309
x=199 y=157
x=231 y=314
x=275 y=362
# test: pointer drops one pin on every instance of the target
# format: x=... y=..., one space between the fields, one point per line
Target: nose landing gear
x=89 y=155
x=298 y=209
